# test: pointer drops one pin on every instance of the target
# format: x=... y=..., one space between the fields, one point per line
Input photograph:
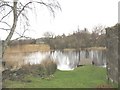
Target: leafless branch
x=5 y=23
x=48 y=6
x=24 y=15
x=20 y=9
x=23 y=8
x=25 y=18
x=5 y=29
x=6 y=15
x=3 y=5
x=24 y=32
x=1 y=10
x=22 y=37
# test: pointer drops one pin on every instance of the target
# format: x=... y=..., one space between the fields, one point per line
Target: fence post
x=0 y=64
x=119 y=44
x=112 y=53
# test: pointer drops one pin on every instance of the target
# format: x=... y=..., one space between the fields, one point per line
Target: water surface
x=68 y=60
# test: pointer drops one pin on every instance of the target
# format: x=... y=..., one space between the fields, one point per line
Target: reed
x=14 y=56
x=27 y=48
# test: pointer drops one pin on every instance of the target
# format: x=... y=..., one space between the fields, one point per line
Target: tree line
x=78 y=39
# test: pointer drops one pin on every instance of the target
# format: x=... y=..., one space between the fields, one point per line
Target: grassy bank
x=81 y=77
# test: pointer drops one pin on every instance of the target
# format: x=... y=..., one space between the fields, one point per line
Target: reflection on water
x=65 y=60
x=36 y=57
x=68 y=60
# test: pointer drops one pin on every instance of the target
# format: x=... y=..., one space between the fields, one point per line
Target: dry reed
x=14 y=56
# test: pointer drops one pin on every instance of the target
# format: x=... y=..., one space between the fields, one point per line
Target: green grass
x=81 y=77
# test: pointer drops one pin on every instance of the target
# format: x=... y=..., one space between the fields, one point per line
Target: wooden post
x=112 y=53
x=78 y=51
x=0 y=64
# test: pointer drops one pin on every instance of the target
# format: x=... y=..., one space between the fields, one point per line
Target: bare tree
x=99 y=29
x=17 y=9
x=98 y=35
x=48 y=34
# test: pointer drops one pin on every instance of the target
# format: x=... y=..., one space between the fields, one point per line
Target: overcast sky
x=82 y=13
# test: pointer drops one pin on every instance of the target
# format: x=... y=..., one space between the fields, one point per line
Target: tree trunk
x=15 y=17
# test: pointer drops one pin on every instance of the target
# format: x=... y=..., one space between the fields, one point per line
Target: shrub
x=49 y=66
x=36 y=69
x=43 y=70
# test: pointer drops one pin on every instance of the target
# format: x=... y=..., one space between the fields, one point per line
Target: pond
x=68 y=60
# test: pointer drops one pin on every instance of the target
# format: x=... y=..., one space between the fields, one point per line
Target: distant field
x=81 y=77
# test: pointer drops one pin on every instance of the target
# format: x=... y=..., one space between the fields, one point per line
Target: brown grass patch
x=14 y=55
x=91 y=48
x=27 y=48
x=85 y=62
x=97 y=48
x=14 y=61
x=104 y=86
x=69 y=49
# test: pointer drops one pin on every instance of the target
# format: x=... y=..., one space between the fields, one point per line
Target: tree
x=48 y=35
x=99 y=29
x=48 y=38
x=98 y=35
x=19 y=9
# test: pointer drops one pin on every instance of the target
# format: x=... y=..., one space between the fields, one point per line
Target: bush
x=49 y=66
x=46 y=68
x=43 y=70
